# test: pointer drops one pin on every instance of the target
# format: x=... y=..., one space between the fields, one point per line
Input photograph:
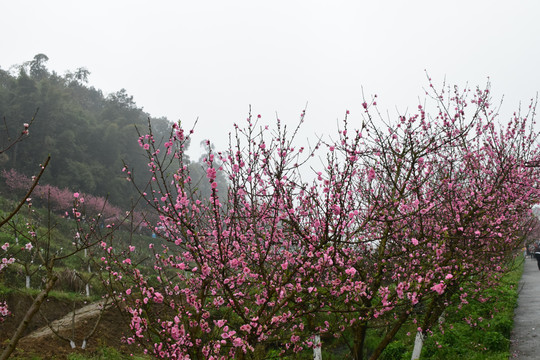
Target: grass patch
x=479 y=330
x=103 y=353
x=60 y=295
x=108 y=353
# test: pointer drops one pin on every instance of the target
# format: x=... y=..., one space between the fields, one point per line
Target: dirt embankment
x=40 y=340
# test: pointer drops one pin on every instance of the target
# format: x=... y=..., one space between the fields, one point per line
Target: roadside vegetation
x=474 y=331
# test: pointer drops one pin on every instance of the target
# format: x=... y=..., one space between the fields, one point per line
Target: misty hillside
x=87 y=134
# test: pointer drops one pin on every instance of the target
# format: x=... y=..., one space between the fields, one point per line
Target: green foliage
x=86 y=133
x=495 y=341
x=394 y=351
x=5 y=238
x=5 y=290
x=106 y=353
x=503 y=326
x=486 y=339
x=68 y=286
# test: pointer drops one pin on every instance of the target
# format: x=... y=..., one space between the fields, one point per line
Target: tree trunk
x=418 y=344
x=28 y=281
x=390 y=335
x=88 y=282
x=419 y=340
x=260 y=352
x=359 y=339
x=28 y=318
x=317 y=349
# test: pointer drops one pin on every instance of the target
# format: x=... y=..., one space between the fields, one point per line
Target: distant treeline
x=87 y=134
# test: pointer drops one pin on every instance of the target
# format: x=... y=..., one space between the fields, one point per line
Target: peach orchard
x=399 y=219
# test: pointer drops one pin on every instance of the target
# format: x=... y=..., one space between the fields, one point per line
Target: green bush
x=5 y=238
x=394 y=351
x=447 y=346
x=489 y=338
x=495 y=341
x=504 y=326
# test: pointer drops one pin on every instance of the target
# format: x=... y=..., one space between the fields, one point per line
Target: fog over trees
x=87 y=133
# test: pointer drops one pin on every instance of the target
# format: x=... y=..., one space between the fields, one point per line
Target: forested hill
x=87 y=134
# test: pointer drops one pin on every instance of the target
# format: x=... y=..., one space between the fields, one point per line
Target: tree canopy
x=87 y=133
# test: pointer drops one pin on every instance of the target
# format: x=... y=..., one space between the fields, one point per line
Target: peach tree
x=396 y=220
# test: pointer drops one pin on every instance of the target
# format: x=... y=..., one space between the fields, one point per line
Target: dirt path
x=87 y=312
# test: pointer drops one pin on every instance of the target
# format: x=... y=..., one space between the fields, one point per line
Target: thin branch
x=23 y=200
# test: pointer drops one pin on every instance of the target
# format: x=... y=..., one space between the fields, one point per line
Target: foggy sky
x=211 y=60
